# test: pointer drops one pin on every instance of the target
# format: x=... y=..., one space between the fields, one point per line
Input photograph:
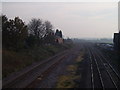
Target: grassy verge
x=14 y=61
x=68 y=81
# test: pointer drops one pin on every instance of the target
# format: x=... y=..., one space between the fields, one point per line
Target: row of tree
x=17 y=35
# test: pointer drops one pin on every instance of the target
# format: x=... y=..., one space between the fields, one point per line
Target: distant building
x=58 y=37
x=59 y=40
x=117 y=35
x=116 y=41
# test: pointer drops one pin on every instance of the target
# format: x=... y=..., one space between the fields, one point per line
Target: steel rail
x=100 y=76
x=20 y=77
x=92 y=72
x=92 y=77
x=110 y=65
x=34 y=83
x=109 y=72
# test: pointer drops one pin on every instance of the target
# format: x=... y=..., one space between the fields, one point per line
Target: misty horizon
x=88 y=20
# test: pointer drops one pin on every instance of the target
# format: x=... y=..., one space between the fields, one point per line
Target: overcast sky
x=76 y=20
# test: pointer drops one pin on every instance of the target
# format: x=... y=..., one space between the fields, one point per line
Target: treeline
x=16 y=35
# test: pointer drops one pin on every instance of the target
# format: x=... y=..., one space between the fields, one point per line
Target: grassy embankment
x=68 y=80
x=14 y=61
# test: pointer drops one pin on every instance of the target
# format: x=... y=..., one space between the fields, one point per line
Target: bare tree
x=36 y=28
x=42 y=31
x=48 y=27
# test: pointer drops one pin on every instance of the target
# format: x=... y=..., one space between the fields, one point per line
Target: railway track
x=30 y=77
x=103 y=75
x=113 y=74
x=96 y=78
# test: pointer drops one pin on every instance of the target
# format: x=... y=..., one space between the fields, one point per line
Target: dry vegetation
x=68 y=81
x=14 y=61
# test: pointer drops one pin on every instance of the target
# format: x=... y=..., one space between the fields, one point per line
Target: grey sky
x=59 y=0
x=76 y=20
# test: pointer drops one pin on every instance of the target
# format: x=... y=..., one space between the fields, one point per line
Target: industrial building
x=116 y=39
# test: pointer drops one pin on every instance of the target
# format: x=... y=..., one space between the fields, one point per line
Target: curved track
x=30 y=77
x=26 y=77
